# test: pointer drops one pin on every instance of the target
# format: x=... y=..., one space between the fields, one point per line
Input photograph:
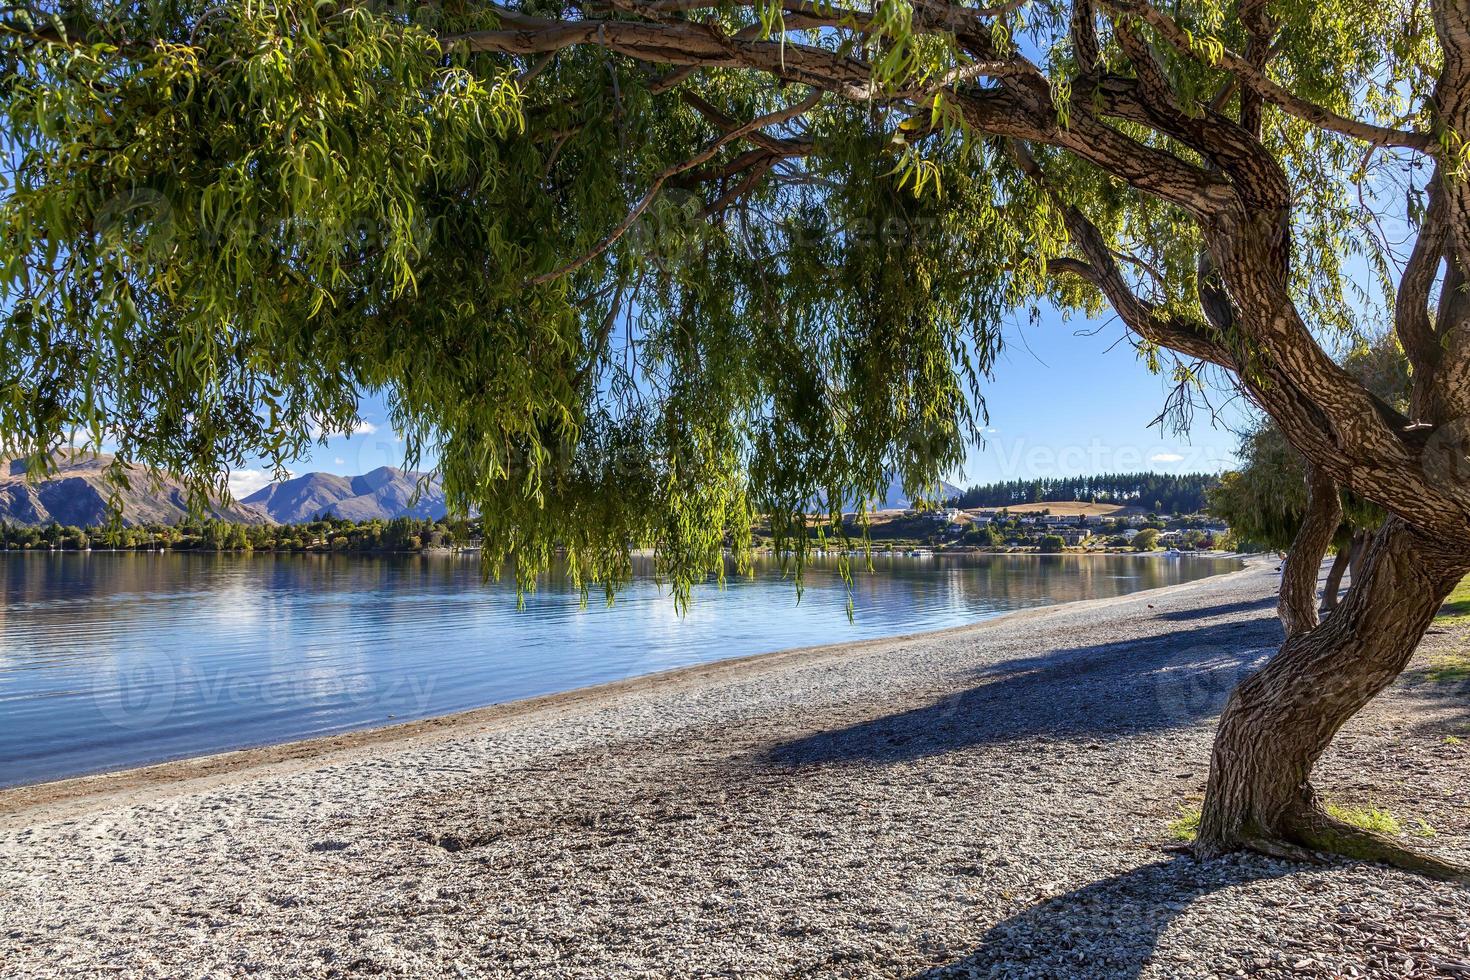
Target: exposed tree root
x=1283 y=850
x=1312 y=835
x=1318 y=830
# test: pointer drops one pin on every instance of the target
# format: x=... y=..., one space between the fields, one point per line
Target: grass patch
x=1453 y=740
x=1186 y=828
x=1449 y=668
x=1367 y=818
x=1456 y=608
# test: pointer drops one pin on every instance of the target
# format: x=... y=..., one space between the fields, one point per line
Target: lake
x=113 y=660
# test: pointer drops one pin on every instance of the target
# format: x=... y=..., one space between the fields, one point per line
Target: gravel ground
x=992 y=801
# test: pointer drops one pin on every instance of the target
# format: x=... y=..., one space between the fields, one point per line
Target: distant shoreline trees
x=1157 y=492
x=326 y=534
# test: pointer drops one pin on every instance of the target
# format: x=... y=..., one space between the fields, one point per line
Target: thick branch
x=1022 y=108
x=678 y=44
x=1083 y=28
x=1100 y=268
x=1259 y=82
x=1412 y=320
x=1255 y=16
x=1298 y=605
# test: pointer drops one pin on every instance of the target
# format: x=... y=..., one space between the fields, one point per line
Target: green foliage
x=1174 y=493
x=1146 y=540
x=1053 y=543
x=218 y=239
x=224 y=223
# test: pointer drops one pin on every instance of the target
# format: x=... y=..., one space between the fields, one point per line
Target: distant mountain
x=384 y=493
x=896 y=499
x=77 y=493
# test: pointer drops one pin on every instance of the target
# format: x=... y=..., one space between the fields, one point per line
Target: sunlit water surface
x=112 y=660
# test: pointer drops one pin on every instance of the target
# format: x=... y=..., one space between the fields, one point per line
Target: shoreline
x=19 y=804
x=898 y=551
x=992 y=800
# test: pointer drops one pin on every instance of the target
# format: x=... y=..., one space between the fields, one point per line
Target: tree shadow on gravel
x=1105 y=691
x=1443 y=697
x=1223 y=609
x=1110 y=928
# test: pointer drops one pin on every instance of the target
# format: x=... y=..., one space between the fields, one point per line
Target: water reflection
x=112 y=660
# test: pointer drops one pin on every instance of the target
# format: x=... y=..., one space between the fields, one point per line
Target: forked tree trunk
x=1298 y=605
x=1333 y=585
x=1280 y=720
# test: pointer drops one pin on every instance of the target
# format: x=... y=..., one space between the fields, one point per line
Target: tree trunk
x=1298 y=605
x=1280 y=720
x=1345 y=562
x=1334 y=576
x=1355 y=555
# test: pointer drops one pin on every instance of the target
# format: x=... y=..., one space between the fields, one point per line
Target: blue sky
x=1069 y=398
x=1073 y=398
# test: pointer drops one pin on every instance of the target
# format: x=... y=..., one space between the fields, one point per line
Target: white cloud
x=245 y=482
x=362 y=428
x=82 y=439
x=1166 y=458
x=340 y=461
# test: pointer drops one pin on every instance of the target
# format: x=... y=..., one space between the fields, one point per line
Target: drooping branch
x=708 y=152
x=1245 y=211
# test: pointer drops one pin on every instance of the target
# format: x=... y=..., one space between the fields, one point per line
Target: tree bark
x=1298 y=605
x=1280 y=720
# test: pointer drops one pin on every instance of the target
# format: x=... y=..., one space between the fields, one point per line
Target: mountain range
x=895 y=499
x=77 y=493
x=385 y=493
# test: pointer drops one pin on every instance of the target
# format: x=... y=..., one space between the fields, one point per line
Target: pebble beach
x=993 y=800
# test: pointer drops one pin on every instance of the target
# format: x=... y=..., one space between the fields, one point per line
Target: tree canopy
x=633 y=271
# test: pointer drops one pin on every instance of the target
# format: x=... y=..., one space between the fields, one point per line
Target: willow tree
x=636 y=270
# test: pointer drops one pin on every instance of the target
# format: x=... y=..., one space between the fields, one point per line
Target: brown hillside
x=78 y=491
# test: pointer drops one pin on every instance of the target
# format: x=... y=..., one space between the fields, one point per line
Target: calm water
x=115 y=660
